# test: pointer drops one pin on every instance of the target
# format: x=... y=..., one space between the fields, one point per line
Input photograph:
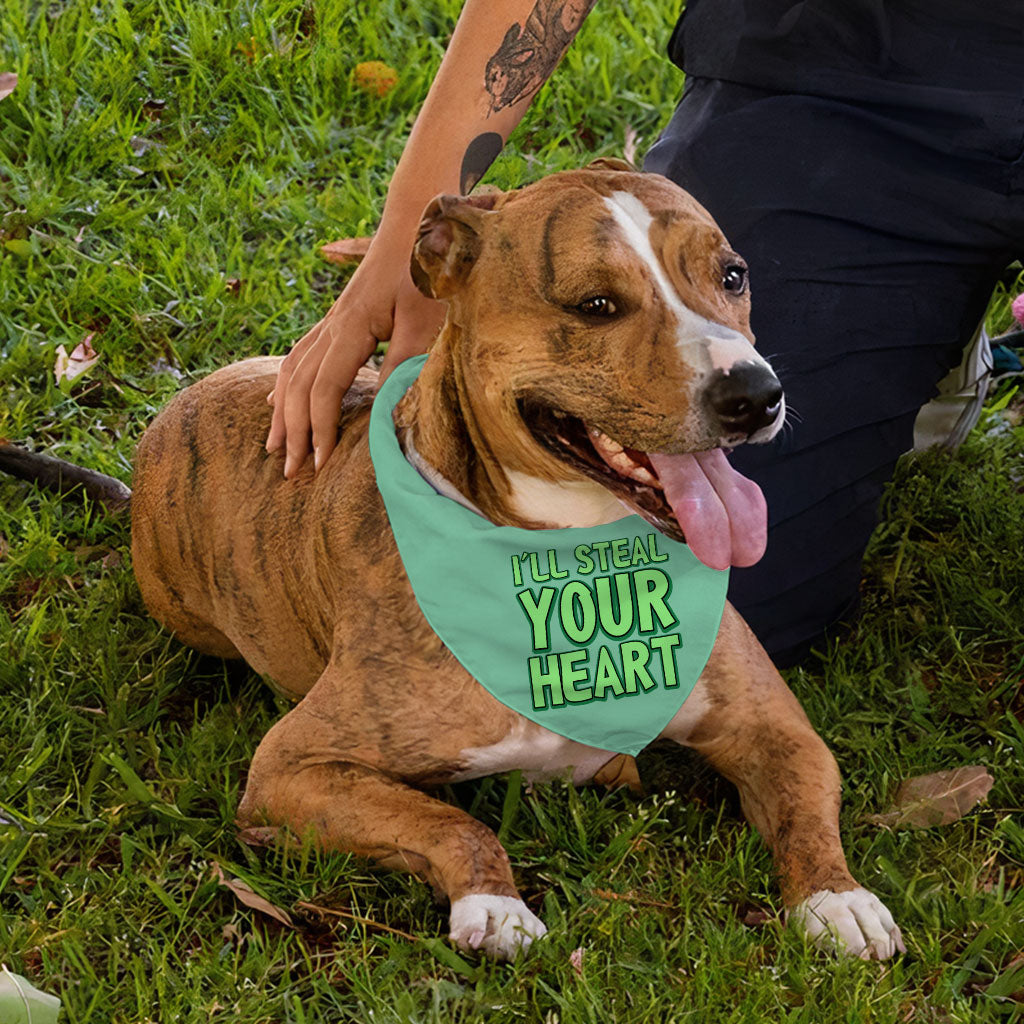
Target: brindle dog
x=593 y=317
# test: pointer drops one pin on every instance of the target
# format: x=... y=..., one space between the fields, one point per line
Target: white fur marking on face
x=704 y=344
x=501 y=926
x=564 y=502
x=857 y=923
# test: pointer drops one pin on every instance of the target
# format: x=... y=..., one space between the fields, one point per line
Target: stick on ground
x=60 y=477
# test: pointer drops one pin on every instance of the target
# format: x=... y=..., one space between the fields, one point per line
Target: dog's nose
x=744 y=399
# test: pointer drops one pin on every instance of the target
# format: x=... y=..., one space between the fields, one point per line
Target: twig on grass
x=60 y=477
x=349 y=916
x=631 y=897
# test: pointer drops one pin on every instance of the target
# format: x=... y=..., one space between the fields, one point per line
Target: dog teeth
x=615 y=455
x=603 y=443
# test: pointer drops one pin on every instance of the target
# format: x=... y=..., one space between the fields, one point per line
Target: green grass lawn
x=167 y=170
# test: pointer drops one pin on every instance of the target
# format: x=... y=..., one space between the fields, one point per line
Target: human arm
x=499 y=56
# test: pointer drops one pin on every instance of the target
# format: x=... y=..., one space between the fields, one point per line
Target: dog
x=596 y=358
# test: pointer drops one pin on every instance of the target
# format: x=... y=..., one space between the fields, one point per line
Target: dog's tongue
x=723 y=514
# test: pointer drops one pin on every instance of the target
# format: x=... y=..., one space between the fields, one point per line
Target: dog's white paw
x=855 y=922
x=501 y=926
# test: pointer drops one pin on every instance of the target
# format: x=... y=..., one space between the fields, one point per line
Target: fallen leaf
x=576 y=961
x=244 y=894
x=755 y=917
x=249 y=50
x=346 y=250
x=375 y=76
x=4 y=547
x=22 y=1003
x=259 y=835
x=936 y=799
x=68 y=367
x=112 y=560
x=8 y=81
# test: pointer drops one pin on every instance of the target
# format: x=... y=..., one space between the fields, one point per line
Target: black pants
x=874 y=237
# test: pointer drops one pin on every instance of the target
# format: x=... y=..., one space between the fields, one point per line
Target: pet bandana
x=596 y=633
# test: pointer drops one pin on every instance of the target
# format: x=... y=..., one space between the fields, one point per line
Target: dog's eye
x=734 y=278
x=597 y=305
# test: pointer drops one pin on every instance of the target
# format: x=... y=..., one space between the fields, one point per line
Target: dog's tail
x=60 y=477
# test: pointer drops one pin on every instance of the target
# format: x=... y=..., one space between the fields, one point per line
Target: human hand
x=380 y=303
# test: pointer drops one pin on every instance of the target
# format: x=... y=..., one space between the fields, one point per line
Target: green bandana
x=596 y=633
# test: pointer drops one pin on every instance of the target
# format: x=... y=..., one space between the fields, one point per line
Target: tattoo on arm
x=480 y=154
x=529 y=52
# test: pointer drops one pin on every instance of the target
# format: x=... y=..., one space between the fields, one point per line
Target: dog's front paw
x=501 y=926
x=856 y=922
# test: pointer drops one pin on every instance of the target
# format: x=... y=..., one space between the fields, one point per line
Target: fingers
x=276 y=435
x=322 y=376
x=334 y=377
x=315 y=375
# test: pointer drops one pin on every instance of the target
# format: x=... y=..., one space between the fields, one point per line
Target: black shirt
x=914 y=52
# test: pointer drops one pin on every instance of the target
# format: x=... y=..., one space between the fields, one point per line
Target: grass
x=167 y=169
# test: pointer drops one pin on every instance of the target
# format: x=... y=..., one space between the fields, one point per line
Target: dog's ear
x=610 y=163
x=449 y=242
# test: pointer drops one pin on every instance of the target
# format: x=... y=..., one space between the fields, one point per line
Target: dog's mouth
x=697 y=498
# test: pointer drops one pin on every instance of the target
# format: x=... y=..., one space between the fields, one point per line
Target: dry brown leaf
x=8 y=81
x=346 y=250
x=260 y=835
x=249 y=50
x=374 y=76
x=755 y=917
x=244 y=894
x=576 y=961
x=68 y=367
x=936 y=799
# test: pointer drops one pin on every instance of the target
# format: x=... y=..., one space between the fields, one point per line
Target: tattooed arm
x=500 y=54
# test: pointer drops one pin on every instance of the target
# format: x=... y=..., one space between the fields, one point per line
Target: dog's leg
x=297 y=780
x=750 y=727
